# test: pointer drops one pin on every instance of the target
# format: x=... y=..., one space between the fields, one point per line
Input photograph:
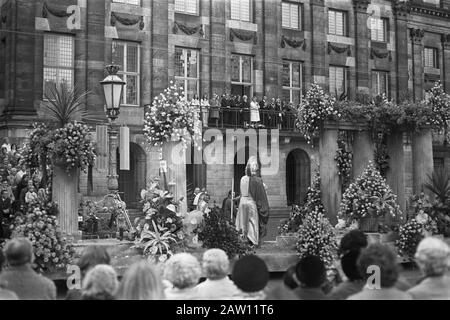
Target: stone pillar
x=417 y=51
x=272 y=60
x=396 y=173
x=65 y=194
x=361 y=45
x=422 y=154
x=319 y=20
x=363 y=152
x=218 y=59
x=330 y=185
x=160 y=55
x=401 y=48
x=113 y=178
x=446 y=61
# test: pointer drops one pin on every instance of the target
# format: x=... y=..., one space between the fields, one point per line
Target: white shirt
x=222 y=289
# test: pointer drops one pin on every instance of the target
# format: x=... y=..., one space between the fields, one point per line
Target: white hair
x=215 y=264
x=433 y=256
x=182 y=270
x=102 y=279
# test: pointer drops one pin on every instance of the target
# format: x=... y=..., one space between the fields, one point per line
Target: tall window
x=132 y=2
x=187 y=69
x=58 y=60
x=240 y=10
x=378 y=29
x=337 y=23
x=126 y=55
x=430 y=56
x=292 y=81
x=291 y=15
x=338 y=80
x=380 y=83
x=187 y=6
x=241 y=69
x=437 y=3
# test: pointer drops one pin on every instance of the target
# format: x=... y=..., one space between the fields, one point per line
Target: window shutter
x=332 y=80
x=285 y=16
x=331 y=22
x=235 y=9
x=245 y=10
x=294 y=16
x=339 y=24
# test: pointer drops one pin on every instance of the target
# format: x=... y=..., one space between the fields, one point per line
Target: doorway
x=132 y=181
x=298 y=176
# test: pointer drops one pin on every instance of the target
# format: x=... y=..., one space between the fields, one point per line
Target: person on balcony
x=263 y=105
x=225 y=104
x=245 y=110
x=280 y=112
x=204 y=104
x=254 y=113
x=214 y=109
x=271 y=113
x=195 y=103
x=236 y=117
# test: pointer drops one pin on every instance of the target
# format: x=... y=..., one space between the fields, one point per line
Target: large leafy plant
x=439 y=185
x=157 y=243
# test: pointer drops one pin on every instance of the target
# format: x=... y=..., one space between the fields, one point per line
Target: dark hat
x=250 y=274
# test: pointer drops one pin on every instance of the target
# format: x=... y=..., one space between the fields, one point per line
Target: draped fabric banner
x=127 y=20
x=102 y=147
x=124 y=147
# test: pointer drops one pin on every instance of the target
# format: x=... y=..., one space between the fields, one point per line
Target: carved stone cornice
x=428 y=10
x=402 y=8
x=416 y=35
x=361 y=5
x=446 y=41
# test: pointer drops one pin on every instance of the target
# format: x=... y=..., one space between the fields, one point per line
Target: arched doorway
x=132 y=181
x=298 y=176
x=239 y=166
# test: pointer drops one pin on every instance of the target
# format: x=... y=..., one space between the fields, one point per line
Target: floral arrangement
x=36 y=149
x=343 y=160
x=381 y=156
x=299 y=213
x=171 y=117
x=72 y=146
x=317 y=237
x=52 y=251
x=218 y=232
x=369 y=194
x=161 y=230
x=315 y=108
x=410 y=234
x=422 y=210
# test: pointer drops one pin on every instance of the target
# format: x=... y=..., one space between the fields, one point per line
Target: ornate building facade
x=272 y=48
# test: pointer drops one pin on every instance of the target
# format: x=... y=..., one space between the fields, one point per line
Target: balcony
x=236 y=118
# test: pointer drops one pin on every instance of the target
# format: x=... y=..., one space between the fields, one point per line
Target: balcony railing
x=240 y=118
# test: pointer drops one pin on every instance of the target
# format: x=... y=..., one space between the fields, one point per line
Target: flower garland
x=369 y=193
x=72 y=147
x=313 y=111
x=317 y=237
x=171 y=117
x=344 y=158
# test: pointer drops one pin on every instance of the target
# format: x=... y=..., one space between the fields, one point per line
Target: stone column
x=65 y=194
x=113 y=178
x=422 y=153
x=217 y=42
x=401 y=47
x=361 y=45
x=363 y=152
x=319 y=69
x=446 y=61
x=160 y=56
x=417 y=51
x=330 y=185
x=396 y=173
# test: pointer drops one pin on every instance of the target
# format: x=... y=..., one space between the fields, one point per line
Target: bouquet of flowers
x=411 y=233
x=52 y=251
x=171 y=117
x=317 y=237
x=369 y=194
x=422 y=210
x=72 y=146
x=315 y=108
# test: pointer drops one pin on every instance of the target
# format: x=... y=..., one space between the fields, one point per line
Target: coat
x=432 y=288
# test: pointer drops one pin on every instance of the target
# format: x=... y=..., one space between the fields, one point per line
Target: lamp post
x=112 y=89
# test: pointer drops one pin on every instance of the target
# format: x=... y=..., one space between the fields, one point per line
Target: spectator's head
x=349 y=266
x=311 y=272
x=244 y=97
x=13 y=147
x=182 y=270
x=141 y=282
x=265 y=98
x=30 y=183
x=290 y=278
x=18 y=252
x=6 y=140
x=215 y=264
x=382 y=257
x=4 y=150
x=5 y=184
x=100 y=283
x=197 y=190
x=13 y=171
x=31 y=188
x=205 y=96
x=203 y=189
x=92 y=256
x=4 y=194
x=354 y=240
x=250 y=274
x=254 y=98
x=433 y=256
x=195 y=96
x=229 y=193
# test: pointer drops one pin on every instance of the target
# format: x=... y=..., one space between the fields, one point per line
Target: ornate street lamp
x=112 y=88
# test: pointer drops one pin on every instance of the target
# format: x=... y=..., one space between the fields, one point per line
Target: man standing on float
x=253 y=212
